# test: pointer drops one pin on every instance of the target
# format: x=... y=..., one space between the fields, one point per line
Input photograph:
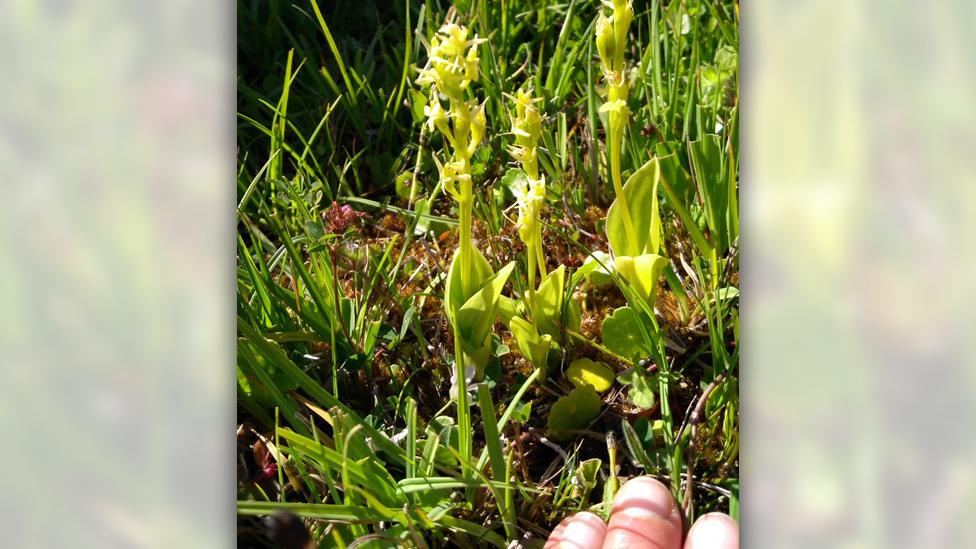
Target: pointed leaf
x=454 y=296
x=534 y=346
x=475 y=317
x=640 y=193
x=642 y=273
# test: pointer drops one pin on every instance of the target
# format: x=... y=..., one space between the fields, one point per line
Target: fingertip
x=557 y=534
x=713 y=531
x=645 y=492
x=644 y=515
x=583 y=530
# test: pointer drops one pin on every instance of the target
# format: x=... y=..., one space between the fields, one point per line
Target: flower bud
x=478 y=123
x=605 y=41
x=622 y=16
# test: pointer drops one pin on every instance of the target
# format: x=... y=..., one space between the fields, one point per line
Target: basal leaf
x=549 y=302
x=640 y=193
x=533 y=345
x=642 y=273
x=475 y=318
x=454 y=296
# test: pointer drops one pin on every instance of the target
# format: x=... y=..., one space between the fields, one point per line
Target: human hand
x=643 y=516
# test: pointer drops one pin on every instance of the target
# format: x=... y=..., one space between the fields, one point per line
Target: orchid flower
x=473 y=289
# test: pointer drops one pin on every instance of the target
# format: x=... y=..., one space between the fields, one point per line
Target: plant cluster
x=414 y=371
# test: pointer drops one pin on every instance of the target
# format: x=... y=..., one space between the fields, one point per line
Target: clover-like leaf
x=533 y=345
x=584 y=371
x=640 y=194
x=641 y=394
x=622 y=334
x=642 y=273
x=574 y=411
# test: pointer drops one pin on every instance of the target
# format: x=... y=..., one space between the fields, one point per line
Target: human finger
x=643 y=516
x=713 y=531
x=581 y=531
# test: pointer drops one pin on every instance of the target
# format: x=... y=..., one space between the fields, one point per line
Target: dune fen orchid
x=473 y=290
x=633 y=220
x=545 y=303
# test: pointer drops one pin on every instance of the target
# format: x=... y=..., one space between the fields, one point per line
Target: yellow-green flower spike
x=611 y=39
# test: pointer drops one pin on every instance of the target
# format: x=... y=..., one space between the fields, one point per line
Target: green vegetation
x=438 y=346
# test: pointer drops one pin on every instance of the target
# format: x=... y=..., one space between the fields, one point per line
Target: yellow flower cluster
x=527 y=128
x=451 y=67
x=530 y=195
x=453 y=61
x=611 y=41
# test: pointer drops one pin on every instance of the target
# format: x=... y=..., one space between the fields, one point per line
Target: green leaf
x=368 y=473
x=635 y=444
x=574 y=411
x=710 y=173
x=454 y=297
x=417 y=103
x=475 y=318
x=675 y=181
x=533 y=345
x=522 y=412
x=548 y=306
x=586 y=476
x=599 y=268
x=314 y=228
x=723 y=294
x=622 y=334
x=640 y=193
x=642 y=273
x=403 y=183
x=507 y=308
x=584 y=371
x=641 y=394
x=513 y=179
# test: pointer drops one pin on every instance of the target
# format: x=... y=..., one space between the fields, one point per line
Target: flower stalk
x=531 y=193
x=451 y=68
x=611 y=39
x=473 y=289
